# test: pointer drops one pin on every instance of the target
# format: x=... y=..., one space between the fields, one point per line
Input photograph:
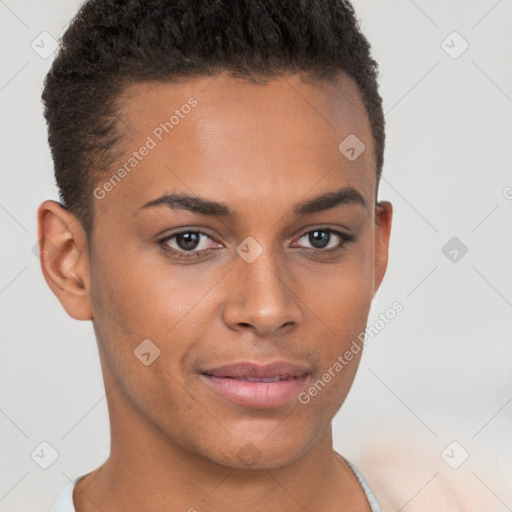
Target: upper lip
x=248 y=369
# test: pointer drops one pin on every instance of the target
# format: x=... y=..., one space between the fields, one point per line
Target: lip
x=248 y=369
x=231 y=381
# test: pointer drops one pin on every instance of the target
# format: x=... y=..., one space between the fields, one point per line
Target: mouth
x=258 y=386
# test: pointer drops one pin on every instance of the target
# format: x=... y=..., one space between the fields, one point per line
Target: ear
x=383 y=218
x=64 y=256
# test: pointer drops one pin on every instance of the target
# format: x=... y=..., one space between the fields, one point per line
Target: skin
x=260 y=150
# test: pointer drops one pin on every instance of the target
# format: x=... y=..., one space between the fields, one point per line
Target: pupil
x=317 y=239
x=187 y=241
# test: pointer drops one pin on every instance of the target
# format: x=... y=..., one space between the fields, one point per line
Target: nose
x=262 y=296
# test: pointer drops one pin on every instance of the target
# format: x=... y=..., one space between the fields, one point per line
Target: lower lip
x=256 y=394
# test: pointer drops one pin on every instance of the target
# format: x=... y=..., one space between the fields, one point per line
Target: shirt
x=64 y=502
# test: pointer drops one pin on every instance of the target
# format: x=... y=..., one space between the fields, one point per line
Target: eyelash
x=187 y=255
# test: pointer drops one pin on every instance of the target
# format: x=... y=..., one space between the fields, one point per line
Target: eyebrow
x=326 y=201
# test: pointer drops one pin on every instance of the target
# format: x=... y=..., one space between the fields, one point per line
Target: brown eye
x=323 y=239
x=187 y=244
x=188 y=241
x=319 y=239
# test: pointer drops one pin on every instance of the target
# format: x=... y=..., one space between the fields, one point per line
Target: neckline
x=370 y=496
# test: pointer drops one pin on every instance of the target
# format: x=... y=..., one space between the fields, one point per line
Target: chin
x=258 y=453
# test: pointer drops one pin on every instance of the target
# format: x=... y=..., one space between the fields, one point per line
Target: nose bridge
x=260 y=290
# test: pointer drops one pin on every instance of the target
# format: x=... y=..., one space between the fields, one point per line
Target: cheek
x=123 y=308
x=140 y=294
x=343 y=302
x=341 y=313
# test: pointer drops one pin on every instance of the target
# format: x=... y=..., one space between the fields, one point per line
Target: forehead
x=225 y=136
x=227 y=102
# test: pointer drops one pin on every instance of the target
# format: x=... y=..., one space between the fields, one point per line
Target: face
x=274 y=258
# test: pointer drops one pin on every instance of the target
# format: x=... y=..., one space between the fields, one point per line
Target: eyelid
x=186 y=230
x=345 y=237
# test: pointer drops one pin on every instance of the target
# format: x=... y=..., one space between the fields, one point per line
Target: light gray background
x=439 y=372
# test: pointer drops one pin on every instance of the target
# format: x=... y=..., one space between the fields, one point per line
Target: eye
x=322 y=239
x=187 y=244
x=195 y=244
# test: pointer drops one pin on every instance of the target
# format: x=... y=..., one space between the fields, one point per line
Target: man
x=218 y=165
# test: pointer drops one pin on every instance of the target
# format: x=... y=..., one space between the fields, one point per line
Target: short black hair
x=111 y=44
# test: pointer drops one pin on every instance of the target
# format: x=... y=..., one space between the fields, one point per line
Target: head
x=218 y=166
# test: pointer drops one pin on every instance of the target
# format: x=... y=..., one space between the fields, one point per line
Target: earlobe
x=64 y=258
x=383 y=221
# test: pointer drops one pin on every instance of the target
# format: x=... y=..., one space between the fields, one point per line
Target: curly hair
x=111 y=44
